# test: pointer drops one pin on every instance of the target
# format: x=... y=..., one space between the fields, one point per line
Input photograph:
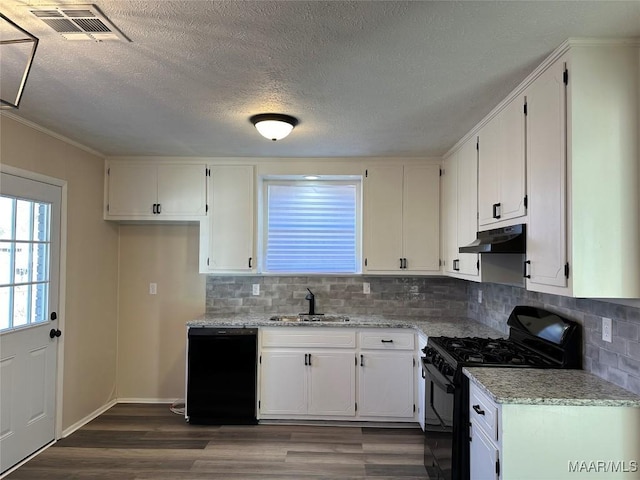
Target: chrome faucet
x=312 y=302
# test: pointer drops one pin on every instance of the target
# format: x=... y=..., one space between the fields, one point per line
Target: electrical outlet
x=256 y=289
x=366 y=288
x=606 y=329
x=153 y=288
x=479 y=296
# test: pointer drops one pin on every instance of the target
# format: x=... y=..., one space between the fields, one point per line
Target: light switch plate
x=606 y=329
x=256 y=289
x=366 y=288
x=153 y=288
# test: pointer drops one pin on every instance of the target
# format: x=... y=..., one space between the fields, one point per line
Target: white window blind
x=312 y=228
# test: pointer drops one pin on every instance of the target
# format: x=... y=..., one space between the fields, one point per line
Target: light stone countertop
x=430 y=326
x=529 y=386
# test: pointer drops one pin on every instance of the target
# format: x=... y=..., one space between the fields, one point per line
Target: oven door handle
x=434 y=376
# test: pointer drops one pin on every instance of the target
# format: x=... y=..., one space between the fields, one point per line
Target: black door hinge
x=258 y=404
x=366 y=173
x=107 y=207
x=260 y=360
x=108 y=171
x=206 y=208
x=356 y=406
x=478 y=265
x=526 y=201
x=207 y=262
x=498 y=467
x=566 y=270
x=525 y=109
x=365 y=262
x=565 y=76
x=414 y=408
x=414 y=362
x=478 y=144
x=441 y=172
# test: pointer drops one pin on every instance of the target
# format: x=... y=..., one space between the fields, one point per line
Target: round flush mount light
x=311 y=177
x=274 y=126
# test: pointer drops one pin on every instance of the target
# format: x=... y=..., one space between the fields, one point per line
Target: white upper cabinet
x=547 y=178
x=155 y=191
x=459 y=210
x=583 y=150
x=227 y=235
x=401 y=216
x=501 y=166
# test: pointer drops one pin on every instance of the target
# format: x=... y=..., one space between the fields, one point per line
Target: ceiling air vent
x=79 y=22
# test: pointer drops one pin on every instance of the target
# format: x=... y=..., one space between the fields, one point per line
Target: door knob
x=54 y=332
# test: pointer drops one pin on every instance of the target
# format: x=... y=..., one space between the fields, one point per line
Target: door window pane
x=25 y=236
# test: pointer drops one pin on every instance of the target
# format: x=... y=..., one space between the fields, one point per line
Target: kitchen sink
x=309 y=318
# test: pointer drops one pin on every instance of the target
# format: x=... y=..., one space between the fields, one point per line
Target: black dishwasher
x=221 y=376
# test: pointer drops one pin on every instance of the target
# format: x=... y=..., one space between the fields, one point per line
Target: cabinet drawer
x=308 y=337
x=387 y=340
x=483 y=412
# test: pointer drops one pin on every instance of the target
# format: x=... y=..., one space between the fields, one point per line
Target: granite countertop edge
x=430 y=326
x=526 y=386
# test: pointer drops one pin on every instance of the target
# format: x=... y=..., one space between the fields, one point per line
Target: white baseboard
x=80 y=423
x=147 y=400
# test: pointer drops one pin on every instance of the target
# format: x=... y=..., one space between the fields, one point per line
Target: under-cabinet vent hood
x=500 y=240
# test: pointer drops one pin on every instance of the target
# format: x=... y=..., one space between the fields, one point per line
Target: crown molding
x=51 y=133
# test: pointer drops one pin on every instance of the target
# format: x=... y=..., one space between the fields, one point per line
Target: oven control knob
x=447 y=370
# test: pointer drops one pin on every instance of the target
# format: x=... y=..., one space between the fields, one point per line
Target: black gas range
x=537 y=339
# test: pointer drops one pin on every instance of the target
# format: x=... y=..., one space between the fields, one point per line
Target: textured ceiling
x=364 y=78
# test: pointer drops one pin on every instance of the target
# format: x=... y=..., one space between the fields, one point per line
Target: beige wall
x=151 y=328
x=90 y=335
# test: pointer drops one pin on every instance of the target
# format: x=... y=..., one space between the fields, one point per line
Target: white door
x=386 y=384
x=29 y=269
x=332 y=383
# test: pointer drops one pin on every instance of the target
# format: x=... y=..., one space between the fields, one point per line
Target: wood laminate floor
x=144 y=442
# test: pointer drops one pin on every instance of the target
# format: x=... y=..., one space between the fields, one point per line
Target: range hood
x=499 y=240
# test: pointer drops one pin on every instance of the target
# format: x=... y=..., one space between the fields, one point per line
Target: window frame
x=263 y=224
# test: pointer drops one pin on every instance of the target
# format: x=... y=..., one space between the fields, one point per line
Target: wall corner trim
x=93 y=415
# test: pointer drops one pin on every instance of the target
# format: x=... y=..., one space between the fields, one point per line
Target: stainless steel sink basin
x=309 y=318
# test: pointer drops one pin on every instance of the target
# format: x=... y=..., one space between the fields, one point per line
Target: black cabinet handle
x=154 y=209
x=362 y=360
x=401 y=263
x=305 y=359
x=526 y=275
x=405 y=263
x=250 y=261
x=478 y=410
x=496 y=206
x=309 y=359
x=159 y=209
x=456 y=264
x=386 y=341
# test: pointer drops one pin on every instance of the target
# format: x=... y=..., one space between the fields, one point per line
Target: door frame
x=19 y=172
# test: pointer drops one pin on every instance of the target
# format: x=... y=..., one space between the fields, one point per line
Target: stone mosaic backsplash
x=617 y=362
x=343 y=295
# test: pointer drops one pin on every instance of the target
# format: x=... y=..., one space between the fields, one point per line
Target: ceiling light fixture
x=18 y=51
x=274 y=126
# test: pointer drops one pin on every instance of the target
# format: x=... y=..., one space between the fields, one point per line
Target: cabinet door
x=283 y=383
x=386 y=384
x=512 y=165
x=421 y=384
x=421 y=217
x=383 y=218
x=546 y=151
x=483 y=455
x=332 y=383
x=132 y=189
x=450 y=214
x=182 y=189
x=467 y=205
x=490 y=152
x=231 y=220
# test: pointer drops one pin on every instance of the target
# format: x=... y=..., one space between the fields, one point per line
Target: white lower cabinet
x=386 y=374
x=324 y=373
x=551 y=442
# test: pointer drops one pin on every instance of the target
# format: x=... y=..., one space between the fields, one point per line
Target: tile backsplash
x=617 y=362
x=411 y=296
